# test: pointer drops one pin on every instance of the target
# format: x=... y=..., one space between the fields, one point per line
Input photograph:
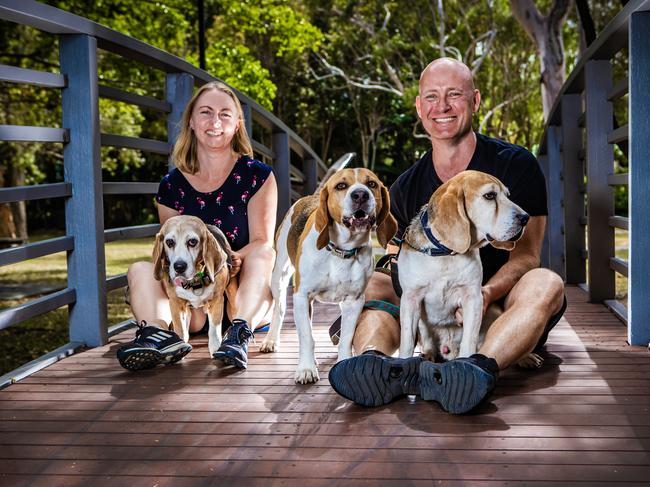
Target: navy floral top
x=225 y=207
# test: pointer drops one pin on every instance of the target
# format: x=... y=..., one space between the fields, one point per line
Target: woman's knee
x=261 y=251
x=138 y=271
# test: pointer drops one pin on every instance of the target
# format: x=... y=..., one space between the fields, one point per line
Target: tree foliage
x=343 y=74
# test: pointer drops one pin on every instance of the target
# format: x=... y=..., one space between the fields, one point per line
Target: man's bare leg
x=537 y=296
x=376 y=329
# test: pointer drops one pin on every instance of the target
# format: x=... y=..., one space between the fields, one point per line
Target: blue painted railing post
x=638 y=316
x=281 y=165
x=311 y=176
x=574 y=198
x=600 y=164
x=555 y=221
x=178 y=91
x=545 y=257
x=84 y=209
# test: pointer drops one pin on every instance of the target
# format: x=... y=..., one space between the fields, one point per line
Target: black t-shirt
x=511 y=164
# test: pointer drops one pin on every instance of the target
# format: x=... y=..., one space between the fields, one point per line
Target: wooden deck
x=583 y=418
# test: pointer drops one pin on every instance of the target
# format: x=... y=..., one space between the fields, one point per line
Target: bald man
x=531 y=298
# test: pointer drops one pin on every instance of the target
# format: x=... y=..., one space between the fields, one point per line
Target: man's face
x=447 y=101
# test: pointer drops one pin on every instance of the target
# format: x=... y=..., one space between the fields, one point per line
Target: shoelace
x=243 y=330
x=141 y=327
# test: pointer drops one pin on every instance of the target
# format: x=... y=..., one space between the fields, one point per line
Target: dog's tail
x=341 y=163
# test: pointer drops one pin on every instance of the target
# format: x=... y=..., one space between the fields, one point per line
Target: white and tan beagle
x=191 y=259
x=439 y=265
x=325 y=240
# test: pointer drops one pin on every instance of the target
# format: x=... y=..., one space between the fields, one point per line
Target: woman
x=217 y=180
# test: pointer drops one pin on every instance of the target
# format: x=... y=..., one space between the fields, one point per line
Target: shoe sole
x=372 y=380
x=230 y=357
x=457 y=386
x=147 y=358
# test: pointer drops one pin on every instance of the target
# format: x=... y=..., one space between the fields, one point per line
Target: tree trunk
x=546 y=34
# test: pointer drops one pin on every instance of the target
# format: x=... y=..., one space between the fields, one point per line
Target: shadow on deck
x=584 y=417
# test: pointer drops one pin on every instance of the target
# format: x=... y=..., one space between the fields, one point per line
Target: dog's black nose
x=180 y=266
x=523 y=218
x=359 y=196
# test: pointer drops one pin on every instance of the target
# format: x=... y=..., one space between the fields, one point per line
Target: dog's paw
x=307 y=375
x=269 y=345
x=213 y=349
x=531 y=361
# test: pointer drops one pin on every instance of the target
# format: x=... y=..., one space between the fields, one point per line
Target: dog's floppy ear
x=323 y=220
x=450 y=221
x=158 y=256
x=386 y=223
x=507 y=245
x=209 y=251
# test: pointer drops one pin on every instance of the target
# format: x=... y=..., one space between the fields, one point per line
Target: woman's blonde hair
x=184 y=153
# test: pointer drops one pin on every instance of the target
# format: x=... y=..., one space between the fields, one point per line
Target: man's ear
x=158 y=257
x=323 y=220
x=386 y=223
x=450 y=220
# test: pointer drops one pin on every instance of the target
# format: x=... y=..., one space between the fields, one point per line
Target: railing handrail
x=55 y=21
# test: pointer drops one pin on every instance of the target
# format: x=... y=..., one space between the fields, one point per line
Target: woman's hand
x=235 y=260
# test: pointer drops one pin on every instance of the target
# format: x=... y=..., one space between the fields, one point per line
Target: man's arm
x=523 y=258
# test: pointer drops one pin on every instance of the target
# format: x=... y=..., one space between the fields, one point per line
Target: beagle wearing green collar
x=324 y=242
x=192 y=261
x=439 y=265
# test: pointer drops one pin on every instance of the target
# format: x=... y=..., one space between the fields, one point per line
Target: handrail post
x=574 y=200
x=281 y=171
x=639 y=181
x=555 y=223
x=600 y=164
x=178 y=91
x=311 y=176
x=84 y=209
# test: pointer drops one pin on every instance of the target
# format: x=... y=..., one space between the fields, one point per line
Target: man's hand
x=235 y=260
x=487 y=300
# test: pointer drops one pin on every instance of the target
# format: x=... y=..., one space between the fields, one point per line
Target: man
x=532 y=298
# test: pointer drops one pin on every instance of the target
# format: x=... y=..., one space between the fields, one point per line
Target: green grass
x=33 y=338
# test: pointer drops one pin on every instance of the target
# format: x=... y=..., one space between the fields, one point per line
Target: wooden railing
x=578 y=156
x=296 y=166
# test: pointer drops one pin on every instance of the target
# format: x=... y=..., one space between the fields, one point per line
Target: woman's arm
x=165 y=213
x=262 y=210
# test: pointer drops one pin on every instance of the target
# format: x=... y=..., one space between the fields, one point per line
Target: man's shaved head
x=445 y=64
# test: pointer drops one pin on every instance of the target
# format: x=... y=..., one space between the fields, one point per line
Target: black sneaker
x=373 y=379
x=152 y=346
x=460 y=384
x=234 y=346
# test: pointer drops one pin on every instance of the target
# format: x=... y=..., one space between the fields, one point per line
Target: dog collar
x=342 y=253
x=200 y=280
x=438 y=249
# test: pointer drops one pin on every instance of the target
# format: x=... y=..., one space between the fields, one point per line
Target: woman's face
x=214 y=120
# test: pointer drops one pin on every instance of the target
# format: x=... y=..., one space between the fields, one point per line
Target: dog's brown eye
x=341 y=186
x=490 y=196
x=170 y=243
x=372 y=184
x=192 y=242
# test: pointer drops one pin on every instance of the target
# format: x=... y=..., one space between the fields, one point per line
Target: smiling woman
x=217 y=180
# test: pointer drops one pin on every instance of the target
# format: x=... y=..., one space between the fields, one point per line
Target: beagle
x=325 y=240
x=439 y=263
x=192 y=260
